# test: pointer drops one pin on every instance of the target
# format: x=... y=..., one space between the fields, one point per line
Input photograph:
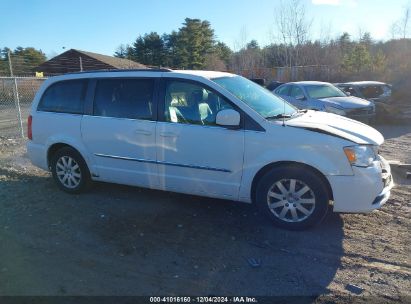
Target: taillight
x=29 y=127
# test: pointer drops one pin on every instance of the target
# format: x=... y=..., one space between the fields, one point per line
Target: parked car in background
x=323 y=96
x=273 y=85
x=260 y=81
x=370 y=90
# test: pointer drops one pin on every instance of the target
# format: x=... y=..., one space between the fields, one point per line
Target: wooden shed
x=77 y=61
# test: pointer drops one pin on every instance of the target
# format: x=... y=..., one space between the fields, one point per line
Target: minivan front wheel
x=292 y=197
x=69 y=170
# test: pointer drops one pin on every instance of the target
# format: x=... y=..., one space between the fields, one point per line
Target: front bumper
x=363 y=114
x=368 y=189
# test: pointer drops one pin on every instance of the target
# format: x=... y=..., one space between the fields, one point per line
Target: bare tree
x=400 y=28
x=241 y=42
x=293 y=28
x=326 y=32
x=240 y=61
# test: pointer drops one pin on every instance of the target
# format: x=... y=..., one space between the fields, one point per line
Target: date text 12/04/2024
x=203 y=300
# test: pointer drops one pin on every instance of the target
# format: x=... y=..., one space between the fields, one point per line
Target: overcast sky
x=101 y=26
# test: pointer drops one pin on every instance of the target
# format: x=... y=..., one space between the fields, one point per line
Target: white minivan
x=206 y=133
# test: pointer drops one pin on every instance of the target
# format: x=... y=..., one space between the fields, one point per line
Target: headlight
x=361 y=155
x=335 y=110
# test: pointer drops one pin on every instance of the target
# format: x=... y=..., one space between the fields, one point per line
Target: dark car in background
x=273 y=85
x=260 y=81
x=370 y=90
x=323 y=96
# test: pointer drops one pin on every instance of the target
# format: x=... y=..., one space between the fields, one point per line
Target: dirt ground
x=118 y=240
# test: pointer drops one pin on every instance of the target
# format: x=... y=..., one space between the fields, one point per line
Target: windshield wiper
x=279 y=116
x=282 y=115
x=301 y=111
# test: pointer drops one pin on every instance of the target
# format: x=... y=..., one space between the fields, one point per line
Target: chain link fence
x=16 y=95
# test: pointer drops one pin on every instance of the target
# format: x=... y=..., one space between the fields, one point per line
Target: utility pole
x=16 y=95
x=10 y=65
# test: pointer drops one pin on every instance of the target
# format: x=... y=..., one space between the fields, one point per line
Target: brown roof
x=76 y=60
x=119 y=63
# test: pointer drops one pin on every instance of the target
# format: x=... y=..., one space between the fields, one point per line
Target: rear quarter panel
x=50 y=128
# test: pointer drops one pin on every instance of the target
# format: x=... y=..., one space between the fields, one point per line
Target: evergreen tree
x=149 y=49
x=379 y=63
x=366 y=40
x=138 y=50
x=170 y=49
x=123 y=51
x=223 y=52
x=253 y=45
x=195 y=40
x=345 y=43
x=188 y=48
x=359 y=59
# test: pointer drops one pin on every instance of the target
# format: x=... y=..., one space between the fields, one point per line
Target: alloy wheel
x=68 y=172
x=291 y=200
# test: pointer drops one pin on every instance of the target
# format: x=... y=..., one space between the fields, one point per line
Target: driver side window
x=190 y=103
x=296 y=91
x=283 y=90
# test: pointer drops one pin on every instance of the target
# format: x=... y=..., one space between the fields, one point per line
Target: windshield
x=375 y=91
x=255 y=96
x=323 y=91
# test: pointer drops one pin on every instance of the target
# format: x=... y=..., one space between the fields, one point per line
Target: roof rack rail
x=122 y=70
x=159 y=68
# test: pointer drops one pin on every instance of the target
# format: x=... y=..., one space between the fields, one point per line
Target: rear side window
x=124 y=98
x=64 y=97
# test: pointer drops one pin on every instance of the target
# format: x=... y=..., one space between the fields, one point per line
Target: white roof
x=310 y=82
x=365 y=83
x=206 y=74
x=140 y=72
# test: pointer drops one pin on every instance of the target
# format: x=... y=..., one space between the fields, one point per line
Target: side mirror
x=347 y=93
x=228 y=118
x=300 y=97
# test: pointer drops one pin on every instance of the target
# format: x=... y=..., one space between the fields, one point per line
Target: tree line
x=193 y=46
x=345 y=57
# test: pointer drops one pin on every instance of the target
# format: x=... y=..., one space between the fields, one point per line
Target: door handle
x=142 y=132
x=168 y=134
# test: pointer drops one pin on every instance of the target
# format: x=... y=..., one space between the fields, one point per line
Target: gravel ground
x=118 y=240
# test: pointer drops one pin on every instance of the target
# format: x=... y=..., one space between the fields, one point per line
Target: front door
x=120 y=134
x=194 y=154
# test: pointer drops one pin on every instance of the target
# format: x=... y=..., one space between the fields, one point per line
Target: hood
x=347 y=102
x=339 y=126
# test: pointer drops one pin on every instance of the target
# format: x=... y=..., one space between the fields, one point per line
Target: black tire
x=302 y=177
x=82 y=182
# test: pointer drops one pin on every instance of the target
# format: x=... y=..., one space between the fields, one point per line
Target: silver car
x=323 y=96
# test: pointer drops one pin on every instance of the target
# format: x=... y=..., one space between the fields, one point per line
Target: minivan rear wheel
x=292 y=197
x=70 y=171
